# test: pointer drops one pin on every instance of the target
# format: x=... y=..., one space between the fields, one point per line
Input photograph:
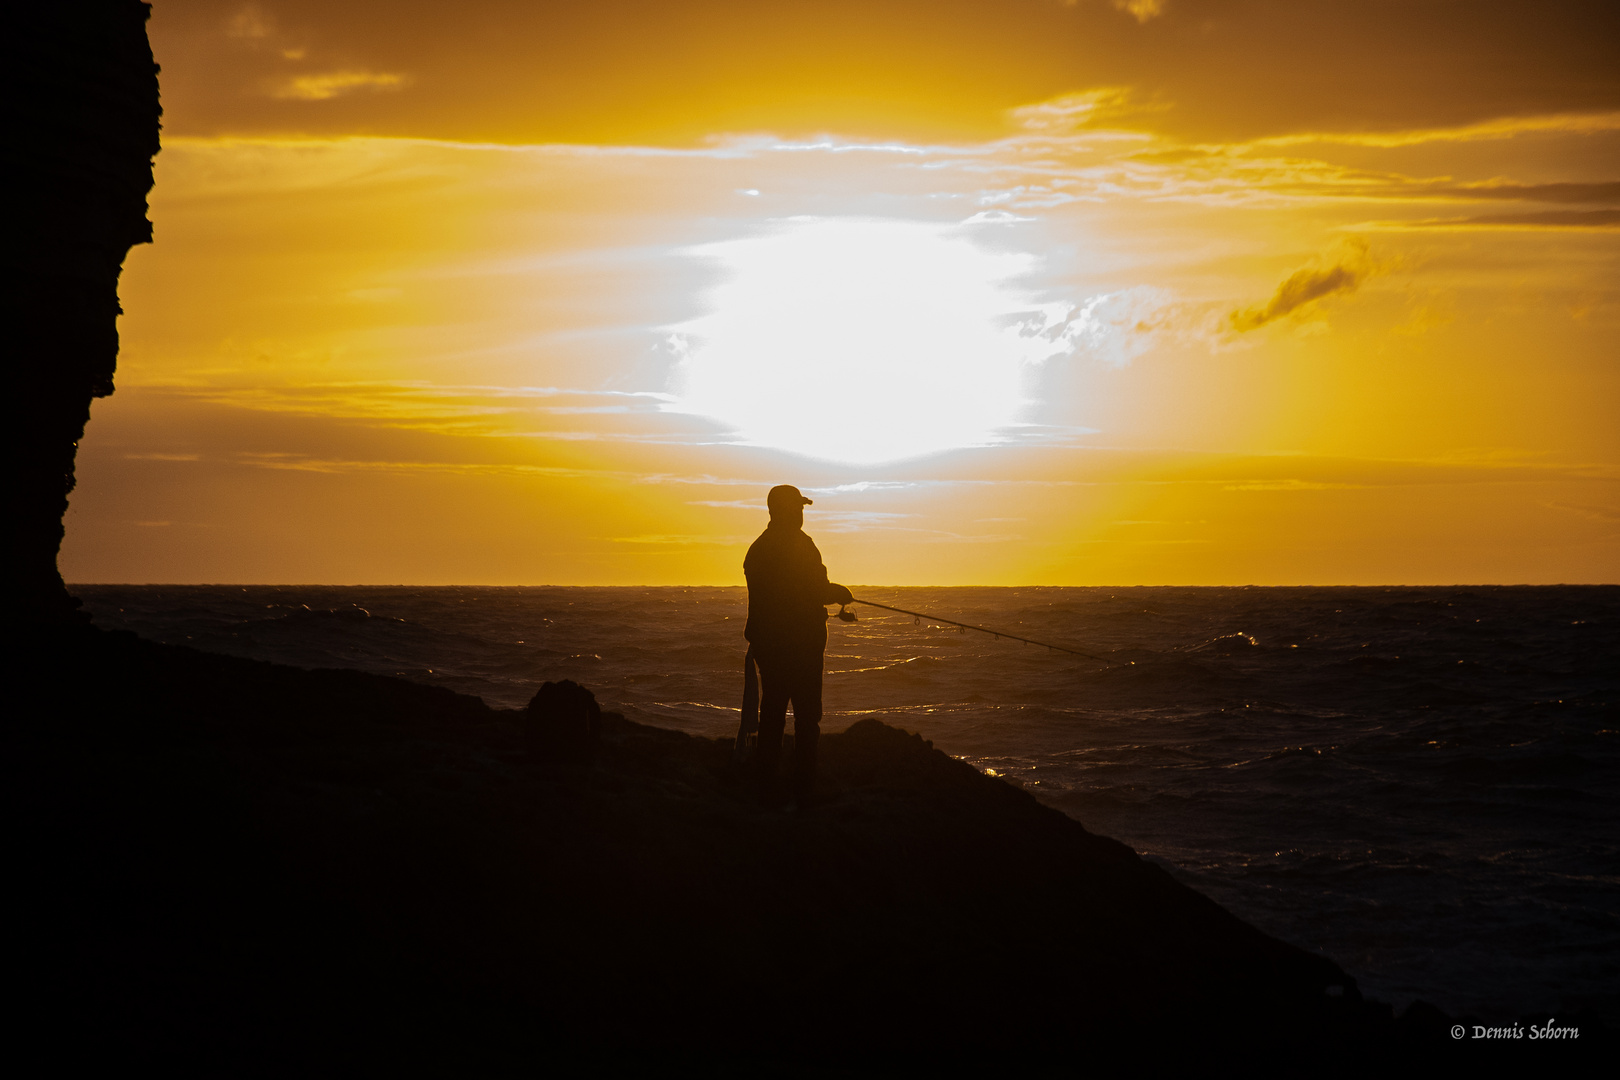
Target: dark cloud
x=1344 y=274
x=650 y=71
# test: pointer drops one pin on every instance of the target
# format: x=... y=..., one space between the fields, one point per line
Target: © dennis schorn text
x=1549 y=1030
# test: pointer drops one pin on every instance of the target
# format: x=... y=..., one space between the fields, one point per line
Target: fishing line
x=849 y=616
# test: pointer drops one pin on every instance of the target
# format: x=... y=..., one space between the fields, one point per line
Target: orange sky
x=1145 y=292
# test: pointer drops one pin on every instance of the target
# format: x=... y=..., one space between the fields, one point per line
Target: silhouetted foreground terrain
x=238 y=864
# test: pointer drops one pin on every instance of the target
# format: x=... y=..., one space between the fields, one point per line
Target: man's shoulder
x=763 y=542
x=779 y=543
x=785 y=539
x=761 y=548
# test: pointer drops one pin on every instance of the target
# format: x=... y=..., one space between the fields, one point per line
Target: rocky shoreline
x=245 y=865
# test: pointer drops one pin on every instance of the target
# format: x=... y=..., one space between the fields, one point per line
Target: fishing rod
x=849 y=616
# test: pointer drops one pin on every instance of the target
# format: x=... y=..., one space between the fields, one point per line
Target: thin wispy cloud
x=1507 y=127
x=1607 y=192
x=1071 y=112
x=681 y=540
x=1546 y=219
x=331 y=84
x=479 y=409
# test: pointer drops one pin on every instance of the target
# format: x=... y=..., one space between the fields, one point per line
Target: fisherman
x=788 y=592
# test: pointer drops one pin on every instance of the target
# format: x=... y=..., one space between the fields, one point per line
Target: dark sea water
x=1420 y=783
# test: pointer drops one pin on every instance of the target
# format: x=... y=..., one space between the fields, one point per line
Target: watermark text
x=1549 y=1030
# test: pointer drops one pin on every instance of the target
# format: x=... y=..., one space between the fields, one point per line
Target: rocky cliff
x=85 y=132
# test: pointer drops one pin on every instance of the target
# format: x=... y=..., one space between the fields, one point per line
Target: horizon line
x=868 y=585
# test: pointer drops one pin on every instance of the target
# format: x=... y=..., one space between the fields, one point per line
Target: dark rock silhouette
x=234 y=866
x=563 y=722
x=85 y=132
x=239 y=864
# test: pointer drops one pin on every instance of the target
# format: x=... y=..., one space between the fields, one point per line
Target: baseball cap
x=786 y=495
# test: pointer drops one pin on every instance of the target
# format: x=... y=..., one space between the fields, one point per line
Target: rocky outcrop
x=234 y=866
x=84 y=135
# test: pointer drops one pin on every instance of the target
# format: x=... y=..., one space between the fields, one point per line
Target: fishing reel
x=844 y=614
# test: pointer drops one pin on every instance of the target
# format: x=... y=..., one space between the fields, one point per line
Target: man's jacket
x=787 y=591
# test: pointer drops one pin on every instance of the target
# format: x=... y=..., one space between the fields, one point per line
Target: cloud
x=333 y=84
x=1508 y=127
x=256 y=29
x=681 y=540
x=1074 y=149
x=1233 y=68
x=1546 y=219
x=1290 y=485
x=297 y=461
x=1113 y=327
x=995 y=217
x=1547 y=193
x=1063 y=114
x=250 y=23
x=1140 y=10
x=1561 y=219
x=844 y=521
x=863 y=486
x=1118 y=327
x=412 y=401
x=1343 y=274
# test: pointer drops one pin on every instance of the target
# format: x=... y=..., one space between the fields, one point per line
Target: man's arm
x=827 y=592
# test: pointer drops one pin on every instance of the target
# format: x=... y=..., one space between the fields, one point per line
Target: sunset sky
x=1024 y=292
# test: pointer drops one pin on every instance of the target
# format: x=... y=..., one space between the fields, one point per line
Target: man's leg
x=775 y=688
x=806 y=694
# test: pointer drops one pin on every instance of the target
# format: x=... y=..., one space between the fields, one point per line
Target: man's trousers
x=789 y=678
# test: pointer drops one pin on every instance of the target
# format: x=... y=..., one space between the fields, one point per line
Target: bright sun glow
x=861 y=340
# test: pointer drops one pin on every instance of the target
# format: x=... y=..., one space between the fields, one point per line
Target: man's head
x=786 y=504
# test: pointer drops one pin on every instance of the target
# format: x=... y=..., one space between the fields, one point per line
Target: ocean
x=1422 y=784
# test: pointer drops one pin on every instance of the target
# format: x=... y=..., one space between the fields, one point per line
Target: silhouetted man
x=788 y=592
